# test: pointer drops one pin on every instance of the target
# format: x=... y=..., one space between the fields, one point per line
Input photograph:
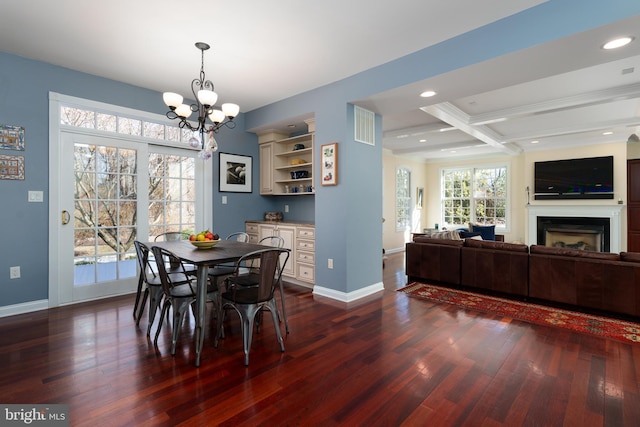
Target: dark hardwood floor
x=388 y=360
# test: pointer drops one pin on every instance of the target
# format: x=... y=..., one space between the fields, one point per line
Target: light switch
x=36 y=196
x=224 y=200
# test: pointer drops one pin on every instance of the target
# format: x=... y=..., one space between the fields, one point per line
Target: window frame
x=405 y=203
x=472 y=168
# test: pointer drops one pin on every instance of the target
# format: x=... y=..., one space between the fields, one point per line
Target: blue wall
x=347 y=216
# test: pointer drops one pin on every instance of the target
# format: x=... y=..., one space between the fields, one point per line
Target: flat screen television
x=589 y=178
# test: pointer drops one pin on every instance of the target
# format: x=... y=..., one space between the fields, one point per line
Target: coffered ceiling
x=563 y=94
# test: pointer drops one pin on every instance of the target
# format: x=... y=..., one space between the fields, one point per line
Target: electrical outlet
x=330 y=263
x=286 y=208
x=224 y=200
x=14 y=272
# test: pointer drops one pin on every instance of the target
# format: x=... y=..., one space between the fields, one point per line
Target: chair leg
x=135 y=305
x=141 y=310
x=247 y=316
x=273 y=308
x=180 y=309
x=155 y=302
x=165 y=309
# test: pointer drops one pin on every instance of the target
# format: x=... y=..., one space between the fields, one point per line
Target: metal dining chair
x=216 y=273
x=249 y=301
x=171 y=236
x=152 y=286
x=249 y=276
x=178 y=289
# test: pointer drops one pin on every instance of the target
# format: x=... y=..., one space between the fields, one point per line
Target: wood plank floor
x=388 y=360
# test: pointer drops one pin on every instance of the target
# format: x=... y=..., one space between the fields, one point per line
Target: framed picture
x=11 y=167
x=12 y=137
x=235 y=173
x=329 y=164
x=419 y=197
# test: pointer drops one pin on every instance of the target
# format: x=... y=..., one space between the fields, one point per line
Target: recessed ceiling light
x=427 y=94
x=616 y=43
x=423 y=140
x=291 y=126
x=535 y=141
x=607 y=133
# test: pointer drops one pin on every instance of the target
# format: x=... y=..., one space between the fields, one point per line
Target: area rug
x=579 y=322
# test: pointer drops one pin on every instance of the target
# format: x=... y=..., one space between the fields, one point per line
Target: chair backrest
x=170 y=236
x=176 y=275
x=239 y=236
x=270 y=272
x=275 y=241
x=142 y=253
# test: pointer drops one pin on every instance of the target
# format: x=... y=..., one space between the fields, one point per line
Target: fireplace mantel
x=579 y=211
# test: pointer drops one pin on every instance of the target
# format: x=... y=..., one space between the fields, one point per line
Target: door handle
x=65 y=217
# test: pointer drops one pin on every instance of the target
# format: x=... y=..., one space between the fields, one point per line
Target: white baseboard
x=350 y=296
x=394 y=250
x=26 y=307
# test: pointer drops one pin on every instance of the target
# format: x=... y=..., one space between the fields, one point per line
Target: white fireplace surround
x=578 y=211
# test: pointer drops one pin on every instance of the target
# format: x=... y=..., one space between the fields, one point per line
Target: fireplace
x=589 y=234
x=583 y=230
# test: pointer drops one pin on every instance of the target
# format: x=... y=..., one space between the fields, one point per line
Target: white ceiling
x=565 y=93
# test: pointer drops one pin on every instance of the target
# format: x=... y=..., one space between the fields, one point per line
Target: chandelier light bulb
x=183 y=111
x=216 y=116
x=173 y=100
x=207 y=97
x=230 y=110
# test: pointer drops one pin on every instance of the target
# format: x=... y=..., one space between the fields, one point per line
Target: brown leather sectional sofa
x=585 y=280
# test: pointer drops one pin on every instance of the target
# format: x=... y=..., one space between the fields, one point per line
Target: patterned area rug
x=579 y=322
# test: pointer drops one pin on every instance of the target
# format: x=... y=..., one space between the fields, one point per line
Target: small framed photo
x=11 y=167
x=419 y=197
x=235 y=173
x=329 y=164
x=12 y=137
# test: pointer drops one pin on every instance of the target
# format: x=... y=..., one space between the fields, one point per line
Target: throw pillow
x=488 y=232
x=469 y=234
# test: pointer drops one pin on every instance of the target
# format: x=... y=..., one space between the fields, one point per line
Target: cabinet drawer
x=306 y=233
x=306 y=245
x=306 y=273
x=252 y=228
x=306 y=257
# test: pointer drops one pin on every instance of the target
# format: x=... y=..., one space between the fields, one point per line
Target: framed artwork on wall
x=329 y=164
x=11 y=167
x=235 y=173
x=419 y=197
x=12 y=137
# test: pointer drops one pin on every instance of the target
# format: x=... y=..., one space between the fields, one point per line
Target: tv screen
x=589 y=178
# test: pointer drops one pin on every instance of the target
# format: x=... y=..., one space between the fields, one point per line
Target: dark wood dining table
x=223 y=252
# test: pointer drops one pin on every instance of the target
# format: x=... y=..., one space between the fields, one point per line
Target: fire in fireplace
x=590 y=234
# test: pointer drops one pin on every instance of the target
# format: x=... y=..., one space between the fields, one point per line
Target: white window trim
x=507 y=217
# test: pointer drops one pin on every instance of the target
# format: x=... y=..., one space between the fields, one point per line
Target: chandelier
x=206 y=98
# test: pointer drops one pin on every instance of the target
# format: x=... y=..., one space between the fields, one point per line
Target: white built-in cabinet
x=287 y=163
x=299 y=238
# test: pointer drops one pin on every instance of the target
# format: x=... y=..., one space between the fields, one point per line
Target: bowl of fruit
x=204 y=239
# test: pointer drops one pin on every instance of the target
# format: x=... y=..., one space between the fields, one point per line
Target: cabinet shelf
x=288 y=167
x=294 y=153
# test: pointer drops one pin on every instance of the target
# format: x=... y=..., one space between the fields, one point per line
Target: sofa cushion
x=488 y=232
x=451 y=235
x=500 y=246
x=548 y=250
x=464 y=234
x=436 y=241
x=630 y=256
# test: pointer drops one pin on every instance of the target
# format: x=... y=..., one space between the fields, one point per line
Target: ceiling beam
x=457 y=118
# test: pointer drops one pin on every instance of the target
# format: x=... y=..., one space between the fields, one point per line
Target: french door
x=103 y=199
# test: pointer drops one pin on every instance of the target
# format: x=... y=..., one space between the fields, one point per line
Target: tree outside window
x=477 y=195
x=403 y=199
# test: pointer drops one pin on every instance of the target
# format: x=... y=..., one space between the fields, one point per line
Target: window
x=403 y=199
x=477 y=195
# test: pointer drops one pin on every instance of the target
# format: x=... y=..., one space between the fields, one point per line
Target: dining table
x=224 y=251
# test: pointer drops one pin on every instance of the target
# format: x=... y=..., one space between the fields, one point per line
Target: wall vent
x=365 y=126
